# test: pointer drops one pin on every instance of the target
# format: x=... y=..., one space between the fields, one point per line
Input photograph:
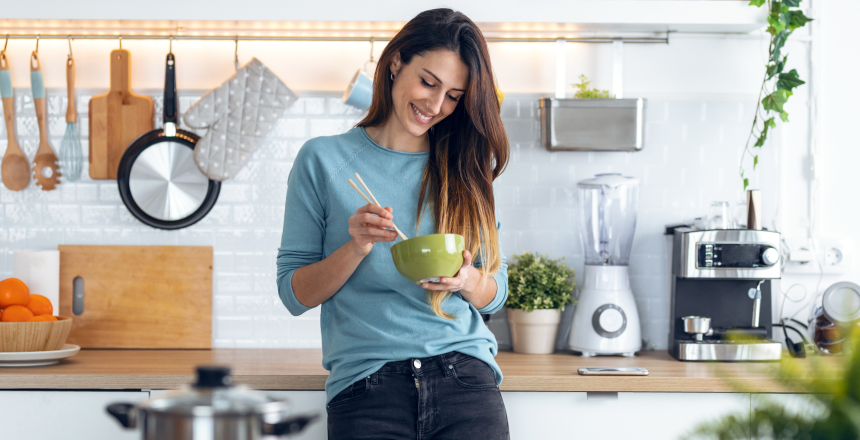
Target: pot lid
x=841 y=302
x=213 y=395
x=612 y=180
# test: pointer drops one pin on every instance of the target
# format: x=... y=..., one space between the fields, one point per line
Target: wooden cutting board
x=138 y=296
x=117 y=118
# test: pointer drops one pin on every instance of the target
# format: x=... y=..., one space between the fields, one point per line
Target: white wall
x=701 y=91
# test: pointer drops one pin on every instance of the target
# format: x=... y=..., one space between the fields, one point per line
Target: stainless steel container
x=212 y=408
x=593 y=124
x=697 y=325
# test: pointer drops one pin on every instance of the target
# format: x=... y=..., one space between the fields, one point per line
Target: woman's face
x=427 y=89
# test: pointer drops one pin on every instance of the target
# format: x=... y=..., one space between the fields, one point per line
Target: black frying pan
x=158 y=179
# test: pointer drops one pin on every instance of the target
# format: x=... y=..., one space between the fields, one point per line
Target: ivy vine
x=783 y=19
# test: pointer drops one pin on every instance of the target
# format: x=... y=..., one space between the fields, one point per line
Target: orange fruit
x=16 y=313
x=40 y=305
x=13 y=292
x=42 y=318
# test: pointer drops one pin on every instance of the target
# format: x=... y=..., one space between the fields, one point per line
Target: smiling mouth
x=419 y=115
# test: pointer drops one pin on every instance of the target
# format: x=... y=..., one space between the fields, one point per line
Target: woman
x=406 y=361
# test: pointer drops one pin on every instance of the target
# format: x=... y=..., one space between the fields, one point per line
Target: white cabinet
x=641 y=416
x=307 y=402
x=67 y=415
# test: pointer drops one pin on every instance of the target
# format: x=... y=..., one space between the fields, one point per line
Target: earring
x=392 y=77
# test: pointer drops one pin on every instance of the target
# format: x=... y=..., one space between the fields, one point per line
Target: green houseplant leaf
x=776 y=100
x=537 y=282
x=797 y=20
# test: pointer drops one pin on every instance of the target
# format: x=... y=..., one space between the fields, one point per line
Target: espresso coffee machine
x=721 y=294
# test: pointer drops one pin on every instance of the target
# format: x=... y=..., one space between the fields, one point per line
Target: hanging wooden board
x=137 y=296
x=117 y=118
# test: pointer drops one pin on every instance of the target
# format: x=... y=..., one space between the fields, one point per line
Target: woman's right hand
x=368 y=225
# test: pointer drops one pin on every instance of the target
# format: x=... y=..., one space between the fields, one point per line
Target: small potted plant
x=538 y=290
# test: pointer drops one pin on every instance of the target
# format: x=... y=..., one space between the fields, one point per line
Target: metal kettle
x=212 y=408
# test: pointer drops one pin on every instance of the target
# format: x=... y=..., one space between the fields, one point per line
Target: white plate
x=37 y=358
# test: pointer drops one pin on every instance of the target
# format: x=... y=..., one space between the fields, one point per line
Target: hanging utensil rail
x=632 y=40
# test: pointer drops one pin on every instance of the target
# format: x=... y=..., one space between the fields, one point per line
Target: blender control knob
x=770 y=256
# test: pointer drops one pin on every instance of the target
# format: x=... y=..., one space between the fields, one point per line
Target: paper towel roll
x=40 y=271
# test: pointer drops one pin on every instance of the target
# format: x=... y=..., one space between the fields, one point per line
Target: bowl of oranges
x=27 y=321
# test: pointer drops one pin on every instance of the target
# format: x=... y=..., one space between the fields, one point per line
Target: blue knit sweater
x=377 y=316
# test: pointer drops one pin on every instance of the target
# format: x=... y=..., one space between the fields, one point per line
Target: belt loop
x=374 y=379
x=446 y=365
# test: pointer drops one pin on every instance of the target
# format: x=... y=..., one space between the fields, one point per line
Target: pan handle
x=171 y=104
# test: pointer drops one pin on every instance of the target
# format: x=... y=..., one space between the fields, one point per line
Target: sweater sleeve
x=304 y=225
x=501 y=278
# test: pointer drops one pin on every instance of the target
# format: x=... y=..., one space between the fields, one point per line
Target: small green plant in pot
x=538 y=290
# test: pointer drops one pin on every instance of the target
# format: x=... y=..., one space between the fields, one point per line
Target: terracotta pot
x=534 y=332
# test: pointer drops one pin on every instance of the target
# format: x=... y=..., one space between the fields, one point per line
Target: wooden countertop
x=302 y=370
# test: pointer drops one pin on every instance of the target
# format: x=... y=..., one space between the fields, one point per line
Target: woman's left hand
x=462 y=282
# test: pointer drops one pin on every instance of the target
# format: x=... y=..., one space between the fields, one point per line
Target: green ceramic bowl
x=429 y=257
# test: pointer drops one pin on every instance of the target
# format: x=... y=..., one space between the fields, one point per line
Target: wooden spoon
x=15 y=167
x=46 y=167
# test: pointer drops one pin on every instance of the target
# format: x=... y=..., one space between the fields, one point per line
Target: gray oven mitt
x=238 y=115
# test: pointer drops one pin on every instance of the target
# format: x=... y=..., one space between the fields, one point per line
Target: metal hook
x=37 y=44
x=119 y=37
x=70 y=47
x=236 y=54
x=171 y=44
x=6 y=44
x=371 y=49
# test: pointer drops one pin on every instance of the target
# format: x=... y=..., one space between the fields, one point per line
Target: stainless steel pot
x=212 y=408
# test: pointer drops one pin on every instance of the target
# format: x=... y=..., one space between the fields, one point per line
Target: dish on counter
x=37 y=358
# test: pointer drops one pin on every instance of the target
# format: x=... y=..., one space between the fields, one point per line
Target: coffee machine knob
x=770 y=256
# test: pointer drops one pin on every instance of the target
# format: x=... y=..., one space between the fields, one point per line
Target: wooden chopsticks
x=402 y=237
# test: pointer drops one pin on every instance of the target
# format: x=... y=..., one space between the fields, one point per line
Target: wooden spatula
x=46 y=167
x=15 y=167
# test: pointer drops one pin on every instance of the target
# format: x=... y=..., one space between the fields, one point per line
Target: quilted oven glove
x=238 y=115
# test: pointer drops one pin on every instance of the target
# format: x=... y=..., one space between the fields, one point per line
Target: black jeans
x=450 y=396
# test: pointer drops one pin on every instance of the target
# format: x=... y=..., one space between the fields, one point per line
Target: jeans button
x=417 y=363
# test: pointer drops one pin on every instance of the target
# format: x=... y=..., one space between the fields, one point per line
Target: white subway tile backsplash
x=305 y=329
x=84 y=192
x=252 y=305
x=23 y=215
x=690 y=158
x=83 y=236
x=223 y=305
x=44 y=238
x=101 y=215
x=233 y=327
x=109 y=192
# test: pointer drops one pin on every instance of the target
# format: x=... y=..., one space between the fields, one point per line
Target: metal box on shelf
x=592 y=124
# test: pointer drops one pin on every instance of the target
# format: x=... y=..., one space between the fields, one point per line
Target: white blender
x=606 y=320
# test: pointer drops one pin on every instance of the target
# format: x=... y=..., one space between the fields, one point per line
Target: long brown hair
x=468 y=149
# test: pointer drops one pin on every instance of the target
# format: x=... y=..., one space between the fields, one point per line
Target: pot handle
x=125 y=413
x=288 y=426
x=171 y=104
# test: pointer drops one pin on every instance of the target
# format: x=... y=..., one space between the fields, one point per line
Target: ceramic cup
x=429 y=257
x=359 y=93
